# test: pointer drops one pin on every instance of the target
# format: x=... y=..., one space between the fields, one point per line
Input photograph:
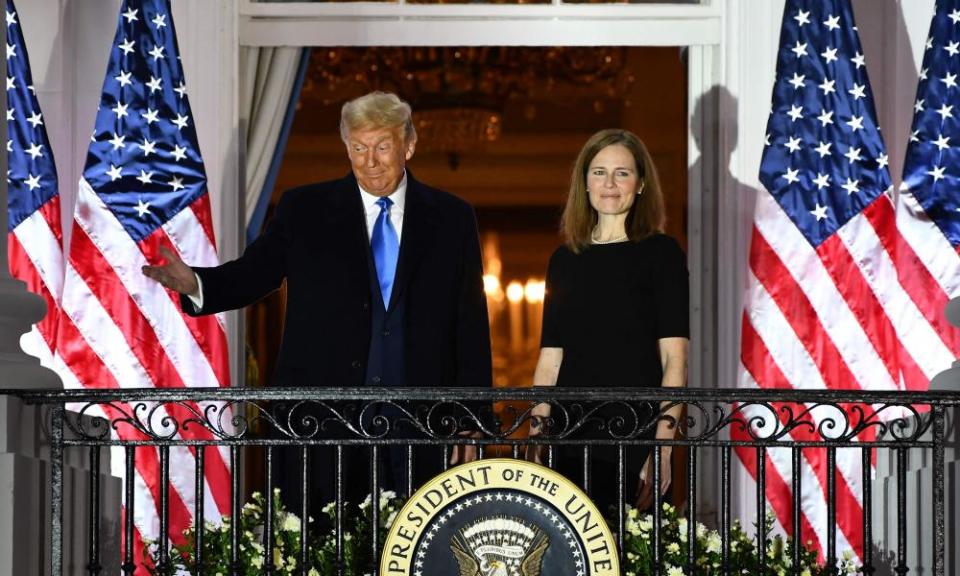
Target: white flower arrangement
x=358 y=519
x=286 y=546
x=638 y=545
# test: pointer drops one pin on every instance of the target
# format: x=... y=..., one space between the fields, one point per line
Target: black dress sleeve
x=550 y=334
x=672 y=290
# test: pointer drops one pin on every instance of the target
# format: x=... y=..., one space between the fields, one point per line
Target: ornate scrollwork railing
x=498 y=420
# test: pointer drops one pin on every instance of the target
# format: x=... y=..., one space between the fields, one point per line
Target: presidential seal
x=499 y=517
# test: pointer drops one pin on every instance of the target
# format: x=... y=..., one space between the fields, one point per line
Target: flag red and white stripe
x=144 y=187
x=841 y=291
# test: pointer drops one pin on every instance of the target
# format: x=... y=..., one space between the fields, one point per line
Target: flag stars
x=795 y=113
x=118 y=141
x=793 y=144
x=800 y=49
x=852 y=155
x=915 y=136
x=797 y=81
x=832 y=22
x=120 y=110
x=855 y=123
x=950 y=80
x=142 y=208
x=819 y=212
x=176 y=184
x=802 y=17
x=827 y=86
x=11 y=83
x=945 y=112
x=943 y=142
x=150 y=116
x=131 y=15
x=953 y=48
x=32 y=182
x=180 y=121
x=157 y=52
x=114 y=173
x=851 y=186
x=825 y=118
x=148 y=147
x=181 y=90
x=11 y=51
x=918 y=106
x=824 y=149
x=792 y=176
x=145 y=177
x=35 y=119
x=35 y=150
x=10 y=113
x=937 y=173
x=178 y=153
x=822 y=180
x=929 y=44
x=154 y=84
x=829 y=55
x=124 y=78
x=127 y=46
x=160 y=21
x=858 y=60
x=955 y=16
x=858 y=91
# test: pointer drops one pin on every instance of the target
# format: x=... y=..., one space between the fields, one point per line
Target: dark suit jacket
x=317 y=241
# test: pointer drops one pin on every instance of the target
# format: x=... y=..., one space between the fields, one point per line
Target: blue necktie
x=386 y=249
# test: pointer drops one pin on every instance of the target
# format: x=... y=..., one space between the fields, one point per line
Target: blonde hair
x=377 y=110
x=646 y=216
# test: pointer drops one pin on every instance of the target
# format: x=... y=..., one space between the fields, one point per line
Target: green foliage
x=638 y=544
x=357 y=547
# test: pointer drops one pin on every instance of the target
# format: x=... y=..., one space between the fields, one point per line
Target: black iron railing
x=715 y=421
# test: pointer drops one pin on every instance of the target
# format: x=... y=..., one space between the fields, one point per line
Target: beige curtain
x=267 y=78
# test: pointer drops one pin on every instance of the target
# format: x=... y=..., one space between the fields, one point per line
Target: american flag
x=34 y=233
x=836 y=297
x=928 y=207
x=143 y=187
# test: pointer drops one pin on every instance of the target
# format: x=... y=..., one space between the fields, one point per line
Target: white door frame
x=700 y=28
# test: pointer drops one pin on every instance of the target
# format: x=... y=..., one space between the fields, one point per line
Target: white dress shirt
x=372 y=212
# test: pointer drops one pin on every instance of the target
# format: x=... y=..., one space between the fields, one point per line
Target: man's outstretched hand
x=173 y=274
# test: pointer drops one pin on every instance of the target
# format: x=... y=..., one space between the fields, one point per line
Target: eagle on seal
x=499 y=546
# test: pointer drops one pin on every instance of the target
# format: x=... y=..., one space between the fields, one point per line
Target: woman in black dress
x=616 y=311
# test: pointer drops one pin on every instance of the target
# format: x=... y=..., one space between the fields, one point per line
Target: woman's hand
x=644 y=496
x=536 y=452
x=548 y=368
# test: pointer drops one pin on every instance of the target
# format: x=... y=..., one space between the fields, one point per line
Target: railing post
x=939 y=518
x=56 y=489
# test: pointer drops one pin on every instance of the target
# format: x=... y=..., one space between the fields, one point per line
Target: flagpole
x=19 y=309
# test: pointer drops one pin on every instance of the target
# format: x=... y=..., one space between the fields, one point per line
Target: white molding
x=469 y=32
x=319 y=10
x=402 y=24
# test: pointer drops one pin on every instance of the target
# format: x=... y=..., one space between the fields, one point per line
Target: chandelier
x=459 y=95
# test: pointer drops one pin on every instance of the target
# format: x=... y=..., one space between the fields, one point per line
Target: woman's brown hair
x=646 y=215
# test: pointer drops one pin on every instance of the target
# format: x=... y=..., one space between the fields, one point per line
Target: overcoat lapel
x=348 y=226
